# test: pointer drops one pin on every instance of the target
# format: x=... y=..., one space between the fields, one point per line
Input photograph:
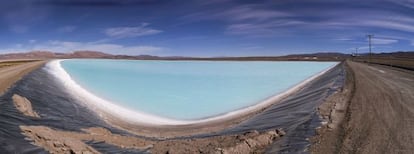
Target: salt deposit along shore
x=61 y=115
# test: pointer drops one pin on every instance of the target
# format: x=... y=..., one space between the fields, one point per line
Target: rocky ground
x=378 y=114
x=58 y=141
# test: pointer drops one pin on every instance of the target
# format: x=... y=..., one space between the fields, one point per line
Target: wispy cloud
x=21 y=18
x=19 y=28
x=361 y=48
x=249 y=12
x=99 y=3
x=268 y=19
x=126 y=32
x=382 y=41
x=387 y=24
x=253 y=47
x=69 y=46
x=355 y=18
x=266 y=29
x=405 y=3
x=238 y=14
x=66 y=29
x=343 y=39
x=212 y=2
x=252 y=20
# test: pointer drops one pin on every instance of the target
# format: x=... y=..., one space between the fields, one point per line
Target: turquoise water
x=188 y=90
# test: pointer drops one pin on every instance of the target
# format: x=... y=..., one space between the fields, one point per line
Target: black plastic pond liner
x=296 y=114
x=56 y=108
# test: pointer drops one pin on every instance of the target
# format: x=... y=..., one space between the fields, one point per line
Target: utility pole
x=369 y=41
x=356 y=52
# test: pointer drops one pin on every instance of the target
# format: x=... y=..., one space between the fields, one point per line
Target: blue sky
x=206 y=27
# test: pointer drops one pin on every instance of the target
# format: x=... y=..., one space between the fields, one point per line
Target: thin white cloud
x=392 y=25
x=66 y=29
x=248 y=12
x=259 y=20
x=67 y=46
x=405 y=3
x=378 y=39
x=365 y=48
x=343 y=39
x=382 y=41
x=21 y=19
x=360 y=49
x=253 y=47
x=212 y=2
x=267 y=29
x=236 y=14
x=380 y=19
x=19 y=28
x=125 y=32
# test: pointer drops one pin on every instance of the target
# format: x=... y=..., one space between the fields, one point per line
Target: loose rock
x=24 y=106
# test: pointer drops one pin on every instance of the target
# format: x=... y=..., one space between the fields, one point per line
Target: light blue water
x=188 y=89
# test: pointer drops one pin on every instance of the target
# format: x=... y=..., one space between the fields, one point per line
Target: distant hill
x=332 y=56
x=404 y=60
x=87 y=54
x=29 y=55
x=319 y=56
x=399 y=54
x=52 y=55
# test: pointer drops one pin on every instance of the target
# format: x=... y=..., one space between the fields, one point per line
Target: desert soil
x=374 y=113
x=58 y=141
x=11 y=72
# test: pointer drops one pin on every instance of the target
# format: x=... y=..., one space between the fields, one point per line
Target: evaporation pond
x=187 y=90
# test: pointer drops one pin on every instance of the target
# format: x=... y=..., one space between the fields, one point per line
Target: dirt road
x=380 y=113
x=10 y=73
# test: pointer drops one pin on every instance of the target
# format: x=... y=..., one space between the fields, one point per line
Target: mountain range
x=328 y=56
